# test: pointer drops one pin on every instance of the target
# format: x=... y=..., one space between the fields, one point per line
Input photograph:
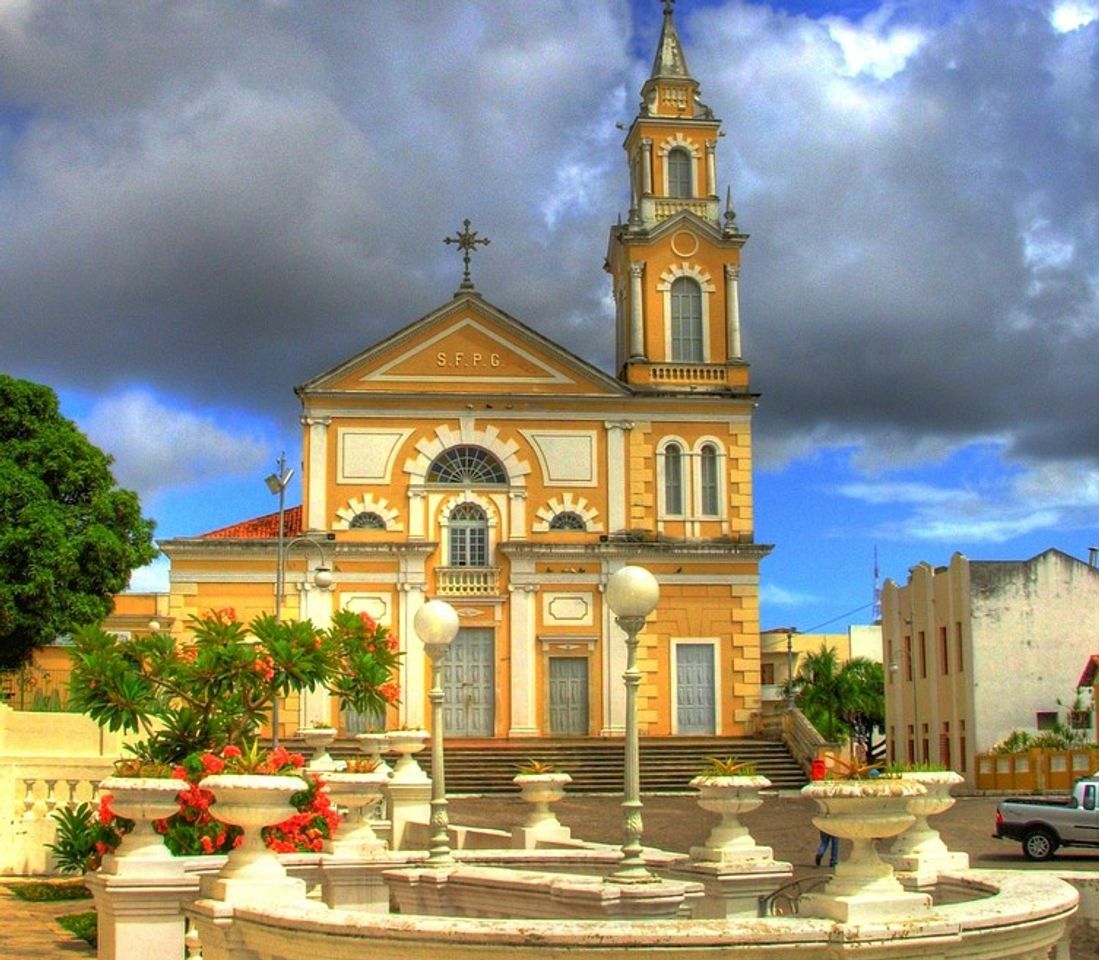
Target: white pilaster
x=316 y=514
x=616 y=473
x=711 y=168
x=614 y=666
x=518 y=510
x=315 y=604
x=637 y=315
x=523 y=691
x=412 y=586
x=417 y=515
x=646 y=166
x=732 y=310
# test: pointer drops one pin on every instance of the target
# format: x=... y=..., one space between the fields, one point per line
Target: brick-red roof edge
x=259 y=528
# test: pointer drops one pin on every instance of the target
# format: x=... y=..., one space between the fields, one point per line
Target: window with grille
x=673 y=479
x=568 y=520
x=367 y=520
x=686 y=321
x=679 y=174
x=466 y=465
x=468 y=536
x=708 y=481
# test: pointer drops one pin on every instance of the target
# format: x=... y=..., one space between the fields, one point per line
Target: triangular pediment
x=467 y=346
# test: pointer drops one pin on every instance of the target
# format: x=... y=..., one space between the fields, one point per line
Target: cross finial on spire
x=467 y=241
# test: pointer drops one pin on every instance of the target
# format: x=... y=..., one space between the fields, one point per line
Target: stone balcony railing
x=655 y=210
x=467 y=581
x=700 y=375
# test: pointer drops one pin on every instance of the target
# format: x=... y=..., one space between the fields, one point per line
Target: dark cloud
x=223 y=201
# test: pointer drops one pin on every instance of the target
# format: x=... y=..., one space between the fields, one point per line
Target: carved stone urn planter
x=374 y=745
x=730 y=796
x=318 y=740
x=919 y=852
x=359 y=792
x=407 y=743
x=541 y=824
x=864 y=811
x=252 y=873
x=143 y=800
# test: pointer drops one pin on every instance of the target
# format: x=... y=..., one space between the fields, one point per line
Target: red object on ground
x=816 y=770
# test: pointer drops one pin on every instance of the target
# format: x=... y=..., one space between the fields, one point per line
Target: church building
x=469 y=458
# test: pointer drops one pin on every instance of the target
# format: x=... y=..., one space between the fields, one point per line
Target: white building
x=977 y=649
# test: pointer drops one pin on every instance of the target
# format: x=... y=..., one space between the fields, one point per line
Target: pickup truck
x=1044 y=825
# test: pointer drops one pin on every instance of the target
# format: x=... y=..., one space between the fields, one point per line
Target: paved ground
x=28 y=930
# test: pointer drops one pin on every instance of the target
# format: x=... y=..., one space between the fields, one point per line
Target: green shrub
x=81 y=925
x=41 y=891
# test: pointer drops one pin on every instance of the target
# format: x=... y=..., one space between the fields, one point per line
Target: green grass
x=80 y=925
x=39 y=891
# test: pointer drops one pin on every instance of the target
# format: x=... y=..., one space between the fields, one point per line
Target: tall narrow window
x=944 y=651
x=708 y=481
x=686 y=321
x=679 y=174
x=468 y=536
x=673 y=479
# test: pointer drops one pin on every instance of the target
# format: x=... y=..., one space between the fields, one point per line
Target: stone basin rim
x=1011 y=907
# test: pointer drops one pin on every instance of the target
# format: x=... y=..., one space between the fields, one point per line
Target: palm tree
x=820 y=693
x=841 y=701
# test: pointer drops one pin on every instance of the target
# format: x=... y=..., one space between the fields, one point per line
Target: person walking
x=826 y=841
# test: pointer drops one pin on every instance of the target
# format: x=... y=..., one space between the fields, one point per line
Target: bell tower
x=675 y=263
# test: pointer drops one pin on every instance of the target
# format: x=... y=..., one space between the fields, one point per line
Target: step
x=596 y=764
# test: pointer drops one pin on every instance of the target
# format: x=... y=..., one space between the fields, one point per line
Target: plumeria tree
x=216 y=686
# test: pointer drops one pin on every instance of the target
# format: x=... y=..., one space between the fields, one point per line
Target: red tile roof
x=259 y=528
x=1087 y=678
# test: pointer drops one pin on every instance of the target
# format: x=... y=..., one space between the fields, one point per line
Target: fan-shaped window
x=568 y=520
x=367 y=520
x=708 y=481
x=673 y=479
x=466 y=465
x=679 y=174
x=686 y=321
x=468 y=536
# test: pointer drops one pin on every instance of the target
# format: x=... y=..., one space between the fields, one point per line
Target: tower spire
x=669 y=61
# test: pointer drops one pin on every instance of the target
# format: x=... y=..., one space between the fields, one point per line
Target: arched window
x=468 y=536
x=686 y=320
x=466 y=465
x=567 y=520
x=679 y=173
x=673 y=479
x=708 y=493
x=366 y=520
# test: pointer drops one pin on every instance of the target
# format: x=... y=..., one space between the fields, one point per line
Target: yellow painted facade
x=469 y=458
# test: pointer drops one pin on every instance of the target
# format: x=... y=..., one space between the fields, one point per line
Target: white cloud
x=894 y=493
x=871 y=46
x=157 y=446
x=1073 y=14
x=949 y=530
x=774 y=595
x=152 y=578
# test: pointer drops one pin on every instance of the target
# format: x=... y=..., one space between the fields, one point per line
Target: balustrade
x=466 y=581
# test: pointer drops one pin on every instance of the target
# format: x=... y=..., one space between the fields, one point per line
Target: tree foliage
x=69 y=536
x=842 y=702
x=217 y=686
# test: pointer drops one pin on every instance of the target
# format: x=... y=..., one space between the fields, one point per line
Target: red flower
x=230 y=752
x=207 y=845
x=368 y=622
x=211 y=763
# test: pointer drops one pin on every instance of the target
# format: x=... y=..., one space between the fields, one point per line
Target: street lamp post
x=322 y=575
x=436 y=624
x=632 y=594
x=790 y=667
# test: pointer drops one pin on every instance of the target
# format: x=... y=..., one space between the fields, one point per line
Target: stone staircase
x=595 y=764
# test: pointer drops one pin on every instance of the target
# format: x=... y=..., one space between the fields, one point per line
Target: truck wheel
x=1039 y=844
